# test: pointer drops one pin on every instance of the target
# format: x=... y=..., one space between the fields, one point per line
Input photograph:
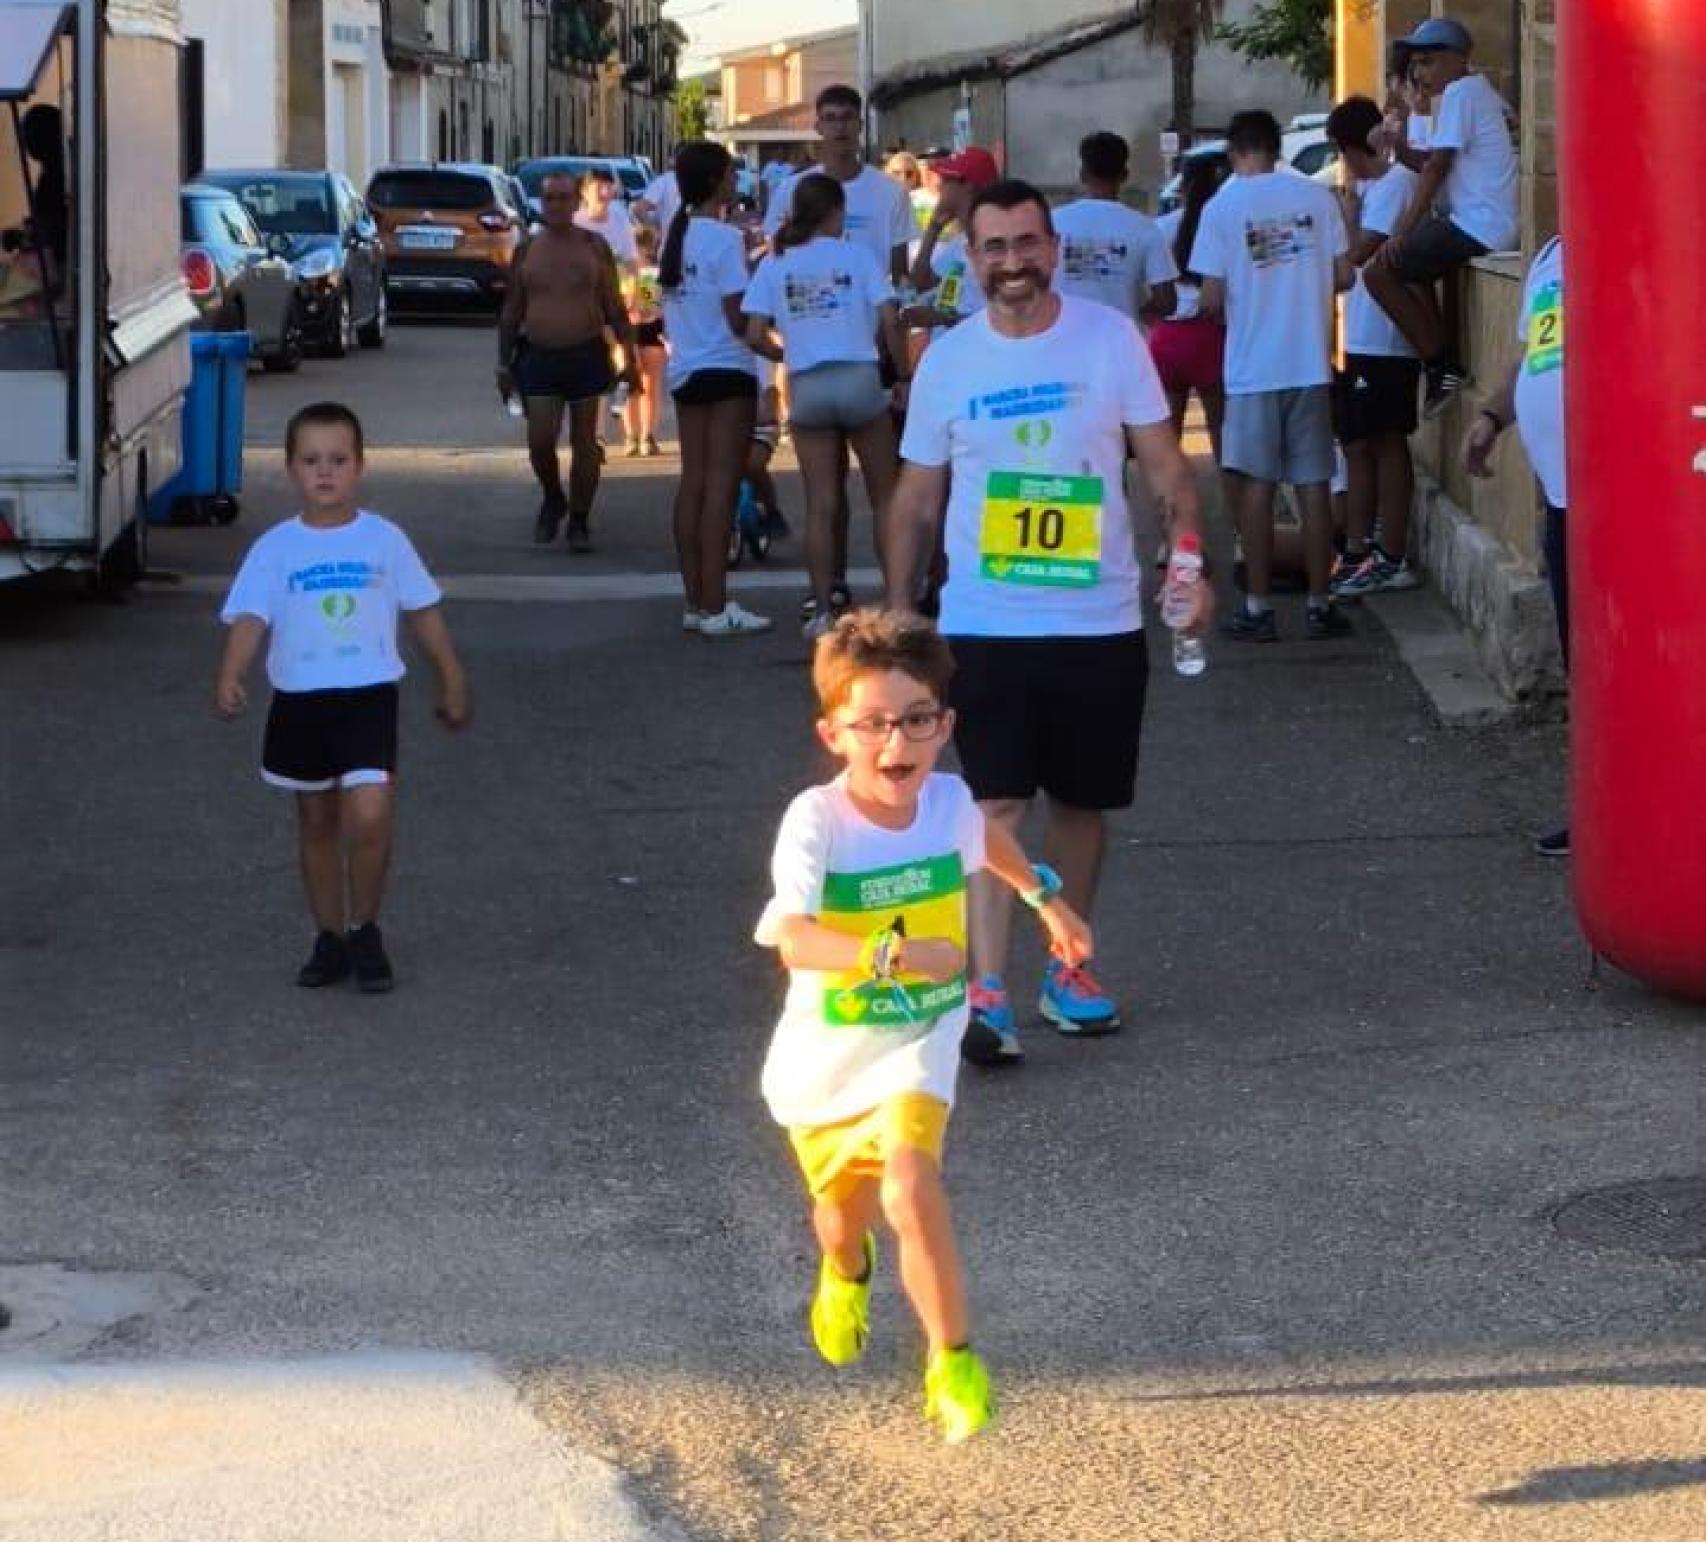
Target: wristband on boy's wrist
x=1048 y=885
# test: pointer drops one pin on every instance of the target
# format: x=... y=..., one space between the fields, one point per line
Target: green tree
x=1300 y=32
x=692 y=110
x=1181 y=27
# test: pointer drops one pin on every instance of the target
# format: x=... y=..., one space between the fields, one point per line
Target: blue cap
x=1440 y=33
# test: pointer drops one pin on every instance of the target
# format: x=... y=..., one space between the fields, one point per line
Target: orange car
x=450 y=228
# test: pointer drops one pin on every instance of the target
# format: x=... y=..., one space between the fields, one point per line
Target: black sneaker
x=1555 y=844
x=840 y=596
x=551 y=512
x=1243 y=627
x=367 y=956
x=580 y=535
x=1445 y=380
x=327 y=964
x=1322 y=621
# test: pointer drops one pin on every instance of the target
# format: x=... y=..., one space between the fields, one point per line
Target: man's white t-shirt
x=617 y=228
x=1032 y=431
x=663 y=193
x=1368 y=329
x=1272 y=238
x=1186 y=295
x=879 y=212
x=713 y=267
x=823 y=298
x=957 y=289
x=1480 y=192
x=1540 y=381
x=1110 y=253
x=846 y=1044
x=331 y=597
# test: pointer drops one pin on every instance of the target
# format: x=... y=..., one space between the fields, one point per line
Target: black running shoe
x=776 y=525
x=1243 y=627
x=367 y=956
x=1555 y=844
x=1323 y=621
x=1445 y=380
x=580 y=535
x=551 y=512
x=840 y=596
x=327 y=964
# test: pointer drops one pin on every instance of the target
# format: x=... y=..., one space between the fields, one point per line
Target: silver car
x=237 y=284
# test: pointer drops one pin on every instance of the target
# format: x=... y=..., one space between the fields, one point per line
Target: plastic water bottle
x=512 y=404
x=1179 y=603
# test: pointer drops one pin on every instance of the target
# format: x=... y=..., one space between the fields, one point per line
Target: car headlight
x=319 y=263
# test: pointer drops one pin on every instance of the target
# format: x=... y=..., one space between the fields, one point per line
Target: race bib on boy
x=950 y=290
x=1546 y=330
x=917 y=899
x=1040 y=529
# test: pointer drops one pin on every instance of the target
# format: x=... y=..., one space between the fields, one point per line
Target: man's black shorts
x=1373 y=395
x=1057 y=714
x=574 y=374
x=318 y=740
x=1433 y=249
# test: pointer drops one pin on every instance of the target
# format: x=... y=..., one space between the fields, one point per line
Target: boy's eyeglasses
x=917 y=725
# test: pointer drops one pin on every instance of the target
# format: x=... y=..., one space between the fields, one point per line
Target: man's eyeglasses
x=919 y=724
x=1022 y=248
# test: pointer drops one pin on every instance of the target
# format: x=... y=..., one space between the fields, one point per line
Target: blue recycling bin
x=211 y=474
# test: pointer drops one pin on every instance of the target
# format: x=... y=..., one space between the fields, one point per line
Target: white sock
x=1255 y=606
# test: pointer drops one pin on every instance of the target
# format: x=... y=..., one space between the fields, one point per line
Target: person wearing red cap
x=1108 y=251
x=942 y=264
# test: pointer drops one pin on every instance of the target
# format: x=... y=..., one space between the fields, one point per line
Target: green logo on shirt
x=338 y=607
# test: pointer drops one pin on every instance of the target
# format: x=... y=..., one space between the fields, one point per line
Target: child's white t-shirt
x=1480 y=192
x=957 y=289
x=331 y=597
x=823 y=298
x=846 y=1044
x=1111 y=253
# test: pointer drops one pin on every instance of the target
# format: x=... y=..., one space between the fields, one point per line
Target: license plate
x=427 y=240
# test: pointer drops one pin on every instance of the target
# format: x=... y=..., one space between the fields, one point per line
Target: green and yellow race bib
x=1545 y=330
x=1040 y=529
x=926 y=898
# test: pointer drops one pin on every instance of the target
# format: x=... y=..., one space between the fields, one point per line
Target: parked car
x=631 y=180
x=1304 y=148
x=236 y=283
x=450 y=229
x=318 y=222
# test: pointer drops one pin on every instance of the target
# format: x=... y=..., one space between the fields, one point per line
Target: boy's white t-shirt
x=1480 y=192
x=713 y=267
x=1032 y=431
x=1540 y=380
x=846 y=1044
x=617 y=228
x=957 y=289
x=879 y=212
x=1368 y=329
x=823 y=298
x=331 y=597
x=1110 y=253
x=663 y=193
x=1272 y=238
x=1187 y=296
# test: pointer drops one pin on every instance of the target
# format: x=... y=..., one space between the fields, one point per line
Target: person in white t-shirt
x=869 y=915
x=1271 y=252
x=1374 y=394
x=1021 y=422
x=656 y=206
x=604 y=214
x=1532 y=396
x=1108 y=251
x=830 y=304
x=941 y=270
x=1464 y=204
x=325 y=590
x=713 y=378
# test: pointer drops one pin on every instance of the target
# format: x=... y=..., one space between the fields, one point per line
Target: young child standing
x=869 y=915
x=641 y=291
x=328 y=586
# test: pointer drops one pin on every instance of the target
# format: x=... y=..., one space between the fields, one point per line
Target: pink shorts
x=1188 y=354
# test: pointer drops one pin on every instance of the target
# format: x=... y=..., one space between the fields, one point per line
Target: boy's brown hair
x=323 y=415
x=870 y=640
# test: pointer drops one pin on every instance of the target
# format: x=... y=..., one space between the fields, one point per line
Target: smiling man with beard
x=1021 y=420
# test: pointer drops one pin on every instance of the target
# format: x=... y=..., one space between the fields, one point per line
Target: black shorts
x=704 y=387
x=318 y=740
x=1433 y=249
x=1058 y=714
x=1373 y=395
x=648 y=334
x=574 y=374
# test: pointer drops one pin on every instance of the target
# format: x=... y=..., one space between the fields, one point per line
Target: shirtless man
x=563 y=295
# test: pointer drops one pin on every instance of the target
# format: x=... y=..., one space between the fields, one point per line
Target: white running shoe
x=733 y=621
x=692 y=620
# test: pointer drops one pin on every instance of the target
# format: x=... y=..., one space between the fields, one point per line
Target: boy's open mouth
x=897 y=773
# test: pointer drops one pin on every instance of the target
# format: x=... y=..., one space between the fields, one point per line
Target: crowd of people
x=997 y=366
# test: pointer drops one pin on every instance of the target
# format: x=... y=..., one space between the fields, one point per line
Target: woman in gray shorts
x=828 y=300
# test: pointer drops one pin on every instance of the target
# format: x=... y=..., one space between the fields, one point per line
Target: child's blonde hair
x=876 y=641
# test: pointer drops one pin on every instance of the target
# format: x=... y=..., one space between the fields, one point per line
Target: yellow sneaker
x=957 y=1395
x=841 y=1310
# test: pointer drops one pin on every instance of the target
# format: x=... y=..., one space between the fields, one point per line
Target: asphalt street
x=1278 y=1262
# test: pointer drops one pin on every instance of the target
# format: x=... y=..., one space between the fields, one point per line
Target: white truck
x=94 y=316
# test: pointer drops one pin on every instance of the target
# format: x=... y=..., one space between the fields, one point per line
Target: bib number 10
x=1040 y=529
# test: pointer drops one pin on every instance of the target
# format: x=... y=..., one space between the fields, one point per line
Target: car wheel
x=286 y=359
x=338 y=327
x=373 y=334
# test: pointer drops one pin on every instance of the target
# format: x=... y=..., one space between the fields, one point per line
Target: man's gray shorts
x=1280 y=436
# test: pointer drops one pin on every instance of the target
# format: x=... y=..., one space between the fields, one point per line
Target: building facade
x=766 y=93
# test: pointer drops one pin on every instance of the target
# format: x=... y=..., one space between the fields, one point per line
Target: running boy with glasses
x=869 y=915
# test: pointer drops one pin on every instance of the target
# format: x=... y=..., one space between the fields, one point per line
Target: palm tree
x=1181 y=25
